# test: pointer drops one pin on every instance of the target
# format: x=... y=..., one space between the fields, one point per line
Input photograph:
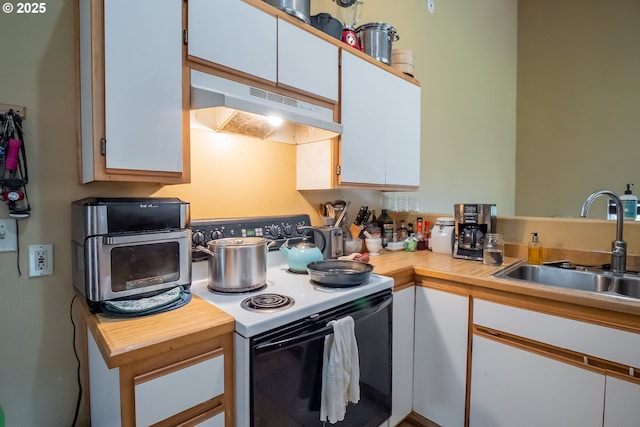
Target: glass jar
x=493 y=250
x=385 y=222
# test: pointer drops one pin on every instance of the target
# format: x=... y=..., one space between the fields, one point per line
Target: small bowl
x=374 y=246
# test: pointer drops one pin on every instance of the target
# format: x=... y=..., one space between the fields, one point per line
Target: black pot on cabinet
x=327 y=24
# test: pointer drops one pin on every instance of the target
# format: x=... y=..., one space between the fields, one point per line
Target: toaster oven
x=129 y=248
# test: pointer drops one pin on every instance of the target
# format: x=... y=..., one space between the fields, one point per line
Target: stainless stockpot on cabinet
x=377 y=40
x=237 y=264
x=301 y=9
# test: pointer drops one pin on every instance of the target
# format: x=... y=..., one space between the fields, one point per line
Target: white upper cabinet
x=132 y=120
x=403 y=145
x=235 y=35
x=143 y=85
x=306 y=62
x=380 y=143
x=363 y=145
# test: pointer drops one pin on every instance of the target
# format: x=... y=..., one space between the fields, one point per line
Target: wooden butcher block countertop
x=123 y=341
x=478 y=279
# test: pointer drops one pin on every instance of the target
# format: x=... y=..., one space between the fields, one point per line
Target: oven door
x=120 y=266
x=286 y=367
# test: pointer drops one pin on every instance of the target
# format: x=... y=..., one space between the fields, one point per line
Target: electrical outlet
x=8 y=235
x=40 y=260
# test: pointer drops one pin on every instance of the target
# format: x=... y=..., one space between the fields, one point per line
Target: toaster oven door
x=120 y=266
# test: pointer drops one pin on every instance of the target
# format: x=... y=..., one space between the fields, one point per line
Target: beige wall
x=465 y=59
x=578 y=126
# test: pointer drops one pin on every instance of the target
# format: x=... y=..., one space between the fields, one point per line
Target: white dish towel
x=340 y=371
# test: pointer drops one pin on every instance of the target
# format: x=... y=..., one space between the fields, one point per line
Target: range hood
x=228 y=106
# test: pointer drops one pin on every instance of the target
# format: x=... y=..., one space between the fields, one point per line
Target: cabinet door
x=364 y=120
x=143 y=84
x=306 y=62
x=403 y=321
x=621 y=407
x=159 y=395
x=403 y=138
x=235 y=35
x=440 y=361
x=514 y=387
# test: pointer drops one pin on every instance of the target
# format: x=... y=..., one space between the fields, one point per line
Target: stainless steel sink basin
x=584 y=280
x=627 y=286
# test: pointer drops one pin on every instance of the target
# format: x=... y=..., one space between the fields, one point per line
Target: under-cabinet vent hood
x=228 y=106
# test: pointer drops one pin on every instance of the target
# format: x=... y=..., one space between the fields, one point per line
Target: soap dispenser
x=629 y=204
x=535 y=250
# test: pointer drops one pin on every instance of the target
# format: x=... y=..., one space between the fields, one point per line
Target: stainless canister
x=377 y=40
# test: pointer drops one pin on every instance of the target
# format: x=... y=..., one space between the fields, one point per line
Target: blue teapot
x=303 y=253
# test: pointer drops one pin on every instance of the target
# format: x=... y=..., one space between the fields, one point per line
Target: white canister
x=442 y=235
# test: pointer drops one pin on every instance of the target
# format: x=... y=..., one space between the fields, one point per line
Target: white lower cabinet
x=533 y=369
x=440 y=360
x=622 y=402
x=166 y=392
x=180 y=393
x=514 y=387
x=402 y=385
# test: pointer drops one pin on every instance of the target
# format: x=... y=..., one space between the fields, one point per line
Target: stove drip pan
x=231 y=291
x=267 y=303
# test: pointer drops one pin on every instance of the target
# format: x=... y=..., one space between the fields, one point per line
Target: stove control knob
x=301 y=229
x=198 y=237
x=288 y=230
x=274 y=230
x=216 y=234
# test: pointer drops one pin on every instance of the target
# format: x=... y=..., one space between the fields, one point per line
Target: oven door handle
x=310 y=336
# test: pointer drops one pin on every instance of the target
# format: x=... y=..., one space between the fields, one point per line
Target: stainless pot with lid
x=301 y=9
x=237 y=264
x=377 y=40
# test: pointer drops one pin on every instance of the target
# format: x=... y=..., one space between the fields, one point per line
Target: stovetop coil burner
x=267 y=302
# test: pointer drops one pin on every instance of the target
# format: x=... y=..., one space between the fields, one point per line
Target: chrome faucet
x=618 y=246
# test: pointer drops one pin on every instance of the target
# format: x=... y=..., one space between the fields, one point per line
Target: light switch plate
x=40 y=260
x=8 y=235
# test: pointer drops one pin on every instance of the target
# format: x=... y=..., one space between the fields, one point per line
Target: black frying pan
x=336 y=273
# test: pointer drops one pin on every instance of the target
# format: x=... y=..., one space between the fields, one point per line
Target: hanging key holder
x=14 y=174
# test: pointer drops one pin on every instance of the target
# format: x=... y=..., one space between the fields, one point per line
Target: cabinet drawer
x=215 y=421
x=594 y=340
x=171 y=390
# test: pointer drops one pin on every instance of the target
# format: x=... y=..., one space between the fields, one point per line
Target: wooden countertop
x=475 y=273
x=123 y=341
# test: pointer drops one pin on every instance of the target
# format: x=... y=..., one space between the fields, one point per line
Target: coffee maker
x=472 y=223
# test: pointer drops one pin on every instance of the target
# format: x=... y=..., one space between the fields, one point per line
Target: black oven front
x=286 y=367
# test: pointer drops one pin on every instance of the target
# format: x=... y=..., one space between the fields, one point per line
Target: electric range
x=312 y=307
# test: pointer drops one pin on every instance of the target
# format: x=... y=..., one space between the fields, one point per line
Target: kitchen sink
x=599 y=281
x=627 y=286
